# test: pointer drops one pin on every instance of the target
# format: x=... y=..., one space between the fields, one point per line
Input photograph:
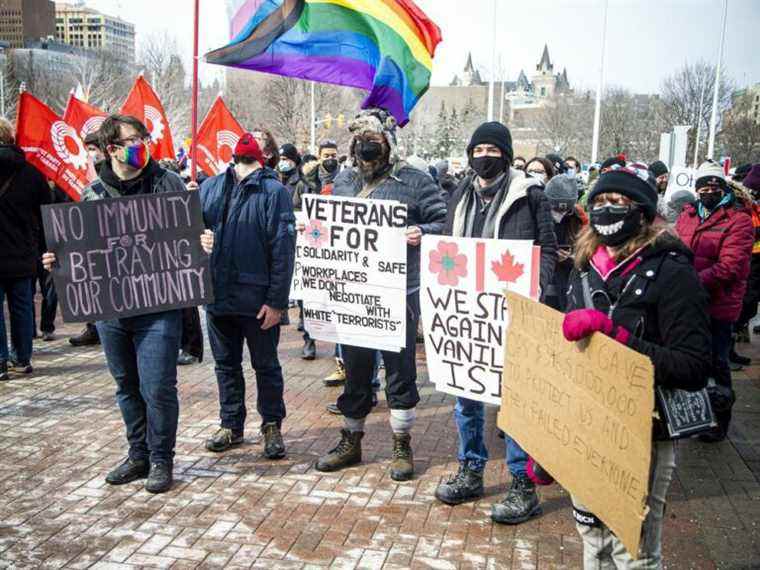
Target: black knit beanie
x=290 y=152
x=493 y=133
x=658 y=168
x=634 y=183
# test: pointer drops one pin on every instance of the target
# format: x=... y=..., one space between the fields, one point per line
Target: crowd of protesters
x=674 y=277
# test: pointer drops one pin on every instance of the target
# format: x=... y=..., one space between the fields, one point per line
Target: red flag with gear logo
x=143 y=103
x=217 y=136
x=52 y=145
x=83 y=117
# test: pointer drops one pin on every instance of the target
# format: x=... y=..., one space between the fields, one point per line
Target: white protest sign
x=352 y=271
x=680 y=179
x=296 y=284
x=464 y=313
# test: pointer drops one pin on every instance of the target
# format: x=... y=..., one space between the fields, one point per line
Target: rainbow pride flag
x=385 y=47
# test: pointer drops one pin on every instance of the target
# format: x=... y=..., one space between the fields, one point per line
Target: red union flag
x=83 y=117
x=52 y=145
x=217 y=137
x=143 y=103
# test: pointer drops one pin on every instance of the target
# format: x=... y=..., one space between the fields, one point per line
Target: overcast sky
x=647 y=39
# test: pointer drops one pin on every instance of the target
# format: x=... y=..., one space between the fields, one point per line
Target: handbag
x=683 y=413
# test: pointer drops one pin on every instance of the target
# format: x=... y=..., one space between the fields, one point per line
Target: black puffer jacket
x=425 y=207
x=528 y=217
x=663 y=305
x=20 y=217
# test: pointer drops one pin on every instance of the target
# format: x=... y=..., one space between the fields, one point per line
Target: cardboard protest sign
x=125 y=257
x=351 y=263
x=583 y=411
x=464 y=313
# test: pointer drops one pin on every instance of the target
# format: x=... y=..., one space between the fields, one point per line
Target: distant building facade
x=22 y=21
x=86 y=28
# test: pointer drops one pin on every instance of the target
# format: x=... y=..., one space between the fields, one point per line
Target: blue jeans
x=142 y=356
x=226 y=335
x=20 y=300
x=470 y=418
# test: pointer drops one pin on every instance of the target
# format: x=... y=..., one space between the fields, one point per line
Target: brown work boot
x=402 y=466
x=348 y=452
x=274 y=447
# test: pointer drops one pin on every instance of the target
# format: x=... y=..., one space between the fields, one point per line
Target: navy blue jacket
x=254 y=247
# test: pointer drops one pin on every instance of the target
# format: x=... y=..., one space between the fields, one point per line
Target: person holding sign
x=719 y=231
x=141 y=351
x=634 y=282
x=499 y=202
x=251 y=216
x=380 y=174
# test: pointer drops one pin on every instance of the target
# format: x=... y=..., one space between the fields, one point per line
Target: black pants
x=226 y=335
x=192 y=333
x=752 y=297
x=400 y=371
x=49 y=298
x=721 y=345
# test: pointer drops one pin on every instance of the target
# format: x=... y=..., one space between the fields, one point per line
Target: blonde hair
x=7 y=132
x=589 y=241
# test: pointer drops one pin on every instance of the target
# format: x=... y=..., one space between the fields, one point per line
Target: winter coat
x=20 y=216
x=527 y=216
x=722 y=246
x=254 y=246
x=425 y=207
x=567 y=232
x=658 y=299
x=294 y=185
x=157 y=179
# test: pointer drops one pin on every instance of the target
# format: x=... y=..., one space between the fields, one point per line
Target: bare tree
x=563 y=124
x=740 y=137
x=161 y=60
x=43 y=74
x=683 y=92
x=104 y=77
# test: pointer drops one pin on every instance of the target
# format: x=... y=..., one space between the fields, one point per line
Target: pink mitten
x=538 y=474
x=585 y=322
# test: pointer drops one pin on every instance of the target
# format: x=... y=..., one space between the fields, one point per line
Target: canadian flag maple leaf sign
x=507 y=270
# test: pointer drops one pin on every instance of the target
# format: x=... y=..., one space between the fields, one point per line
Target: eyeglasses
x=129 y=141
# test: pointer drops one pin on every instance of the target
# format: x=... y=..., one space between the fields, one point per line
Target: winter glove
x=585 y=322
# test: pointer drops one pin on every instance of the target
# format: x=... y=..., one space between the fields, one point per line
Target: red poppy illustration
x=316 y=233
x=448 y=263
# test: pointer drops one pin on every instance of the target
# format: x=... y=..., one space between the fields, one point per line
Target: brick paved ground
x=60 y=432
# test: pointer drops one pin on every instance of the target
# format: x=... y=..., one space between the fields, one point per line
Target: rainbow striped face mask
x=136 y=156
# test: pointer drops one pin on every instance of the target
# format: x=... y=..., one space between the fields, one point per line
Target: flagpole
x=491 y=86
x=600 y=87
x=313 y=138
x=714 y=115
x=699 y=123
x=193 y=146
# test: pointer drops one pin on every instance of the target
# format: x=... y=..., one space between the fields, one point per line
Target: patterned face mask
x=137 y=156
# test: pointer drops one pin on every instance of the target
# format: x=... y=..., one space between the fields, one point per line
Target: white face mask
x=541 y=177
x=285 y=165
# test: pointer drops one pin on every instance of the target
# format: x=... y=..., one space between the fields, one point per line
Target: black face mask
x=331 y=164
x=710 y=200
x=489 y=167
x=369 y=151
x=615 y=224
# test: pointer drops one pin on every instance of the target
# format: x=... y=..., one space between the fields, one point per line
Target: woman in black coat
x=635 y=282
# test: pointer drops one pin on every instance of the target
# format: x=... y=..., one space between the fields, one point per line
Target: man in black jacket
x=496 y=202
x=23 y=190
x=380 y=175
